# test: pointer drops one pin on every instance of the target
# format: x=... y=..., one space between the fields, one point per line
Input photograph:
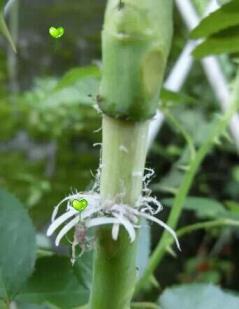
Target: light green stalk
x=135 y=41
x=123 y=160
x=11 y=55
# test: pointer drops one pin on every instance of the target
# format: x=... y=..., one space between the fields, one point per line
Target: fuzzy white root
x=99 y=213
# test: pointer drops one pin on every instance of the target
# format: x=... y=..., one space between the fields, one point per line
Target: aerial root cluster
x=104 y=212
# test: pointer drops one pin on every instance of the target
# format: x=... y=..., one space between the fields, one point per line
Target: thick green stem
x=123 y=160
x=136 y=39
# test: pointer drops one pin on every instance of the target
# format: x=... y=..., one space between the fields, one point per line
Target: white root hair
x=100 y=213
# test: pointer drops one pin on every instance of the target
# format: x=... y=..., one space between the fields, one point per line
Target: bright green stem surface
x=136 y=40
x=216 y=131
x=123 y=160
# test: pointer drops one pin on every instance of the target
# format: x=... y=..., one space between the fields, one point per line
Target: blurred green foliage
x=198 y=296
x=220 y=30
x=47 y=132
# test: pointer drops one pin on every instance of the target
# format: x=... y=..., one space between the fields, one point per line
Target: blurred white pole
x=220 y=88
x=211 y=65
x=8 y=6
x=179 y=73
x=182 y=68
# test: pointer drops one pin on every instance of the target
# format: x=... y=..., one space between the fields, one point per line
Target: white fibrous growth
x=101 y=213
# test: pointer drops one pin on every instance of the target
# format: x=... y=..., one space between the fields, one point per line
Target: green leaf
x=235 y=173
x=75 y=75
x=167 y=95
x=78 y=86
x=55 y=281
x=221 y=28
x=226 y=42
x=68 y=102
x=173 y=178
x=17 y=243
x=56 y=32
x=83 y=269
x=203 y=207
x=198 y=296
x=191 y=120
x=4 y=28
x=225 y=17
x=233 y=207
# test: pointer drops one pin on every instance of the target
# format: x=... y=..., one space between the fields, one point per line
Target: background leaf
x=203 y=207
x=79 y=86
x=17 y=243
x=221 y=31
x=57 y=282
x=198 y=296
x=223 y=42
x=75 y=75
x=172 y=98
x=69 y=102
x=225 y=17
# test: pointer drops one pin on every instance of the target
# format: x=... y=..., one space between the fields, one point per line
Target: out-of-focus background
x=46 y=146
x=47 y=140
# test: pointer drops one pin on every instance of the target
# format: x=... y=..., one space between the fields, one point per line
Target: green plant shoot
x=79 y=205
x=56 y=33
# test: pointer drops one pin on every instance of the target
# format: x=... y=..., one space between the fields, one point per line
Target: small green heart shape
x=56 y=32
x=79 y=205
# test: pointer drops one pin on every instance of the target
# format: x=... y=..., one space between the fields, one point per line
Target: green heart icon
x=79 y=205
x=56 y=32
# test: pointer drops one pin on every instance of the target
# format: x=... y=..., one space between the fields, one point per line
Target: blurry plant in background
x=48 y=126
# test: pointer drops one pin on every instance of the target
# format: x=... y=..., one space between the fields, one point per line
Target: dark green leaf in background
x=224 y=42
x=69 y=102
x=172 y=98
x=75 y=75
x=221 y=30
x=57 y=282
x=83 y=269
x=225 y=17
x=203 y=207
x=198 y=296
x=78 y=86
x=17 y=245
